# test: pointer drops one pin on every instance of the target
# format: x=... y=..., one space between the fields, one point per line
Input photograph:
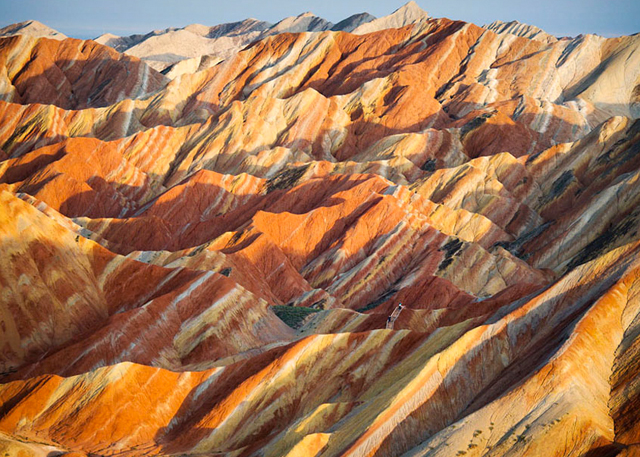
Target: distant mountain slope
x=408 y=14
x=523 y=30
x=31 y=28
x=352 y=22
x=163 y=49
x=231 y=29
x=305 y=22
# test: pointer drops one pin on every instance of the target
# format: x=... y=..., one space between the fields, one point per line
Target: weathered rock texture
x=157 y=236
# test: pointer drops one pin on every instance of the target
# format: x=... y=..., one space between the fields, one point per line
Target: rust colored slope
x=178 y=411
x=569 y=392
x=364 y=390
x=479 y=366
x=353 y=235
x=381 y=84
x=59 y=175
x=66 y=288
x=71 y=73
x=251 y=120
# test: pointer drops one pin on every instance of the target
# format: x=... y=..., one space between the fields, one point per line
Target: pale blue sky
x=88 y=19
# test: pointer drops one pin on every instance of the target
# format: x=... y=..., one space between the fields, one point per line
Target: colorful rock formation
x=206 y=265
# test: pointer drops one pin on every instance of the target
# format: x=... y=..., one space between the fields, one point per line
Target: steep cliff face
x=207 y=266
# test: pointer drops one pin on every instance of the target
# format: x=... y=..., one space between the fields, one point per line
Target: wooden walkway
x=394 y=315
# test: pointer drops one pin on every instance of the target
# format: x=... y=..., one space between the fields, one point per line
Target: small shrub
x=293 y=316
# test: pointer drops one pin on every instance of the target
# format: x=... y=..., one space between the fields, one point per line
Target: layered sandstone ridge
x=206 y=264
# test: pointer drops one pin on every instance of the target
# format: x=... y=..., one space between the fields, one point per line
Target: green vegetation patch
x=474 y=124
x=450 y=249
x=378 y=301
x=293 y=316
x=605 y=242
x=286 y=179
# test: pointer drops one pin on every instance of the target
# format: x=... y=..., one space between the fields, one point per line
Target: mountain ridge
x=196 y=46
x=31 y=28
